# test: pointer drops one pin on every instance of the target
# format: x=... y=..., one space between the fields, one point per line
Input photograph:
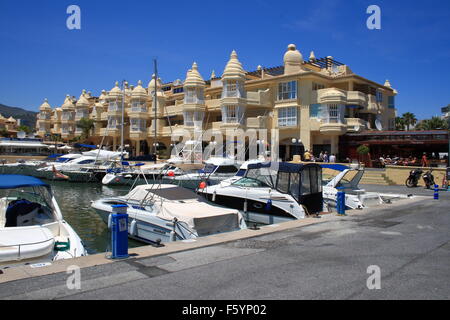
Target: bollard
x=341 y=202
x=119 y=232
x=436 y=192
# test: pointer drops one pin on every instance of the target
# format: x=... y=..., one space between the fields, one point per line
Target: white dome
x=292 y=55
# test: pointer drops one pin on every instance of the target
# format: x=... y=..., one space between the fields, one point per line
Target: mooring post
x=119 y=231
x=436 y=192
x=341 y=201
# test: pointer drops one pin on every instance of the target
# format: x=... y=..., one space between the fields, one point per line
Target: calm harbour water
x=75 y=199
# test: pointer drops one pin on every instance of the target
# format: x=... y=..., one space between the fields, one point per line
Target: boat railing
x=23 y=245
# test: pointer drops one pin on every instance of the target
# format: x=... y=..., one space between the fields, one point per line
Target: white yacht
x=272 y=192
x=337 y=177
x=32 y=228
x=166 y=212
x=140 y=173
x=86 y=159
x=215 y=169
x=29 y=167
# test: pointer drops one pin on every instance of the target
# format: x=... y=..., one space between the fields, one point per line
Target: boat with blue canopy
x=32 y=228
x=272 y=192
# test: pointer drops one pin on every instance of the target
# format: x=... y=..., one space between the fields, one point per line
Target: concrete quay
x=326 y=258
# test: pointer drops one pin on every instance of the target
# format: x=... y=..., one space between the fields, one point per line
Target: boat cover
x=11 y=181
x=34 y=241
x=188 y=207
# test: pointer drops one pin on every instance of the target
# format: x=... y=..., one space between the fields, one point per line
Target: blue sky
x=40 y=57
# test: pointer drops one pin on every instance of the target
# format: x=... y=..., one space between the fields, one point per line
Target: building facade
x=311 y=102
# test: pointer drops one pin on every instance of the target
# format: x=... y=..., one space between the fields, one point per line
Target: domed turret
x=116 y=90
x=233 y=69
x=45 y=106
x=139 y=91
x=193 y=78
x=68 y=103
x=82 y=101
x=293 y=60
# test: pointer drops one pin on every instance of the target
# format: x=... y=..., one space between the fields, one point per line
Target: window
x=178 y=90
x=138 y=125
x=287 y=117
x=138 y=106
x=287 y=90
x=232 y=114
x=112 y=123
x=379 y=96
x=114 y=106
x=67 y=115
x=314 y=110
x=188 y=118
x=333 y=113
x=233 y=88
x=391 y=101
x=317 y=86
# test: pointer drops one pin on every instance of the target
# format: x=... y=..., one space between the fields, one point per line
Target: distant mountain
x=28 y=118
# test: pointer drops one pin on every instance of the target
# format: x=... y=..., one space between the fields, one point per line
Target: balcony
x=260 y=122
x=259 y=98
x=213 y=104
x=110 y=132
x=331 y=95
x=357 y=98
x=372 y=105
x=355 y=124
x=334 y=129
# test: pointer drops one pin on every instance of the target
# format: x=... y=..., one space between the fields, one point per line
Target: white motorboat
x=32 y=228
x=166 y=212
x=272 y=192
x=139 y=173
x=337 y=177
x=29 y=167
x=215 y=169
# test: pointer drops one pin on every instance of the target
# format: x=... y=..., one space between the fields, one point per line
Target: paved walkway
x=408 y=241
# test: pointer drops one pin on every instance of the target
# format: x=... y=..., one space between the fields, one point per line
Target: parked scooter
x=428 y=178
x=413 y=179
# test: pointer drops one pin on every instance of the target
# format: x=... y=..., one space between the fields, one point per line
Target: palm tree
x=409 y=119
x=86 y=126
x=432 y=124
x=399 y=124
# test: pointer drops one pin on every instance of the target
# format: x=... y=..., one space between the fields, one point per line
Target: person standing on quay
x=307 y=156
x=424 y=160
x=333 y=158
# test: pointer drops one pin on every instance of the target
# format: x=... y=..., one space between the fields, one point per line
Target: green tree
x=25 y=129
x=4 y=133
x=409 y=119
x=399 y=124
x=433 y=124
x=86 y=125
x=363 y=149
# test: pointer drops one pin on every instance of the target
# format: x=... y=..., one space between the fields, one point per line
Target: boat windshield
x=349 y=179
x=250 y=183
x=328 y=175
x=26 y=206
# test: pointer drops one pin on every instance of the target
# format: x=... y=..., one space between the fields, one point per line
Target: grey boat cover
x=187 y=206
